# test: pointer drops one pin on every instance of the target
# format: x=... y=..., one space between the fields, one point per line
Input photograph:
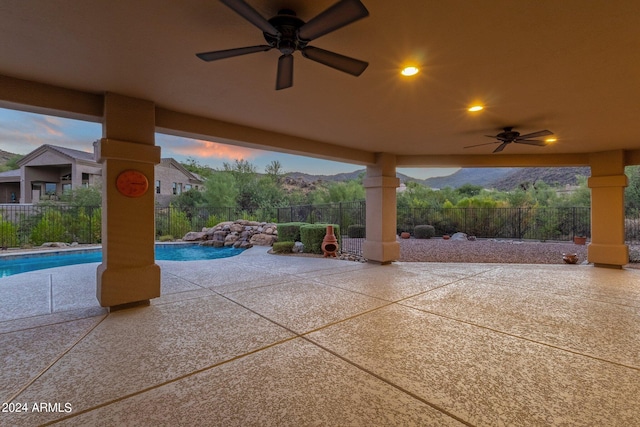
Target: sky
x=22 y=132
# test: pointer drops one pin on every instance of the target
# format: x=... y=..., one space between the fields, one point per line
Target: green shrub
x=8 y=234
x=356 y=231
x=289 y=231
x=166 y=238
x=311 y=236
x=424 y=231
x=50 y=228
x=283 y=247
x=172 y=222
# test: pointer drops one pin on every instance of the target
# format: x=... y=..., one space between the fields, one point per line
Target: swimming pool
x=15 y=264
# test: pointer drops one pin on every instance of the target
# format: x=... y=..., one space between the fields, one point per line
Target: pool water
x=23 y=263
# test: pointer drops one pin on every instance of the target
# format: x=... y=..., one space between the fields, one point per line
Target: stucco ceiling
x=569 y=66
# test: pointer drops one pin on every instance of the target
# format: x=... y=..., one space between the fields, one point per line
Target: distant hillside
x=5 y=156
x=498 y=178
x=485 y=177
x=552 y=176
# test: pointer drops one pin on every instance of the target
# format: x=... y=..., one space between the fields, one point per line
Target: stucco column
x=380 y=186
x=607 y=183
x=128 y=274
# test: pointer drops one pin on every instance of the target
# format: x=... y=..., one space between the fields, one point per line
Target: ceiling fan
x=288 y=33
x=508 y=135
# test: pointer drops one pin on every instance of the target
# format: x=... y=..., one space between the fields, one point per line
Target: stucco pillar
x=128 y=274
x=607 y=183
x=380 y=186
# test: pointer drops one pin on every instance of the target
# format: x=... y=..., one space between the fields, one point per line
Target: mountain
x=485 y=177
x=5 y=156
x=499 y=178
x=555 y=177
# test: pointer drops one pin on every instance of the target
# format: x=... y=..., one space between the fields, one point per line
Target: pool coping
x=53 y=251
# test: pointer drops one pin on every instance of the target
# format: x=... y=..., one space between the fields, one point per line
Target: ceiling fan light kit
x=288 y=33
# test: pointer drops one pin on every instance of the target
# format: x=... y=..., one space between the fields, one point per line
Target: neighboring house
x=49 y=171
x=172 y=179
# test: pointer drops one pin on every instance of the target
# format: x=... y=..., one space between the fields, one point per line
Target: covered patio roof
x=568 y=67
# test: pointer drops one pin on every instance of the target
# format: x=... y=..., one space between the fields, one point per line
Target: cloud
x=22 y=132
x=206 y=149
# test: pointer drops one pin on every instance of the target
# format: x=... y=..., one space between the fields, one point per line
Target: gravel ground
x=489 y=250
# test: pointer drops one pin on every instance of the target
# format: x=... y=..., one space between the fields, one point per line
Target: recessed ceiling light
x=550 y=140
x=476 y=108
x=409 y=71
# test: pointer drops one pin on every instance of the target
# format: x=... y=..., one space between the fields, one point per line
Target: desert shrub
x=311 y=236
x=283 y=247
x=289 y=231
x=50 y=228
x=166 y=238
x=172 y=222
x=8 y=234
x=424 y=231
x=356 y=231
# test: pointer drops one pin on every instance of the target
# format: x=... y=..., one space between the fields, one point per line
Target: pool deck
x=264 y=340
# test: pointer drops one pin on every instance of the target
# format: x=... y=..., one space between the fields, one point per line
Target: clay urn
x=580 y=240
x=405 y=235
x=329 y=243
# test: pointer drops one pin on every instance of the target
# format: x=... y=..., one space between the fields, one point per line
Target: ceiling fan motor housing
x=508 y=135
x=287 y=24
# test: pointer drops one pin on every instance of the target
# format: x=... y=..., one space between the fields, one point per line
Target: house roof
x=567 y=66
x=10 y=176
x=170 y=162
x=70 y=153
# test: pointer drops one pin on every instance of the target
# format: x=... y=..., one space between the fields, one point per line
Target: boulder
x=193 y=236
x=262 y=239
x=298 y=248
x=459 y=236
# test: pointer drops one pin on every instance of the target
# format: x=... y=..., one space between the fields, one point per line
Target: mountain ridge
x=505 y=178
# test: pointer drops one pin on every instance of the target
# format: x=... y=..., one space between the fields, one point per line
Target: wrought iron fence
x=35 y=224
x=508 y=223
x=350 y=216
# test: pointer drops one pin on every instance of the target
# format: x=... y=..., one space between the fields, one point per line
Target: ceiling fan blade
x=536 y=134
x=250 y=14
x=285 y=72
x=342 y=63
x=531 y=142
x=230 y=53
x=478 y=145
x=337 y=16
x=501 y=147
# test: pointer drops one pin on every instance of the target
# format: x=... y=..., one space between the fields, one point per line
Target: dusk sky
x=22 y=132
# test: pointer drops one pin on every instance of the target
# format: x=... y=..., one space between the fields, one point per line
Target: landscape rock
x=298 y=248
x=193 y=236
x=54 y=245
x=459 y=236
x=239 y=234
x=263 y=239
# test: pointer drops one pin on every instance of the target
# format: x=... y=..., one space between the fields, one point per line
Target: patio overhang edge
x=490 y=160
x=192 y=126
x=41 y=98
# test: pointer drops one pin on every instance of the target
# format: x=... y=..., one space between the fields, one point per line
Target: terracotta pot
x=446 y=237
x=570 y=258
x=405 y=235
x=580 y=240
x=329 y=243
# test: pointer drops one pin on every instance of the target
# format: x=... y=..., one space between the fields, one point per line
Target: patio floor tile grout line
x=173 y=380
x=389 y=382
x=55 y=360
x=357 y=366
x=568 y=350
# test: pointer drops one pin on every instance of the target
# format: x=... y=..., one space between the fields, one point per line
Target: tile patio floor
x=263 y=340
